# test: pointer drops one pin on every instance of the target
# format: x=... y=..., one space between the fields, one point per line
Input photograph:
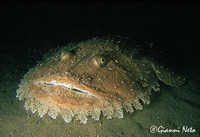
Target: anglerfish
x=91 y=78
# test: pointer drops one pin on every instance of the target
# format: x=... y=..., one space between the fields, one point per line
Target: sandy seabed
x=171 y=110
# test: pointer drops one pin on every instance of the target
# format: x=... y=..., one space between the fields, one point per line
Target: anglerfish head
x=86 y=79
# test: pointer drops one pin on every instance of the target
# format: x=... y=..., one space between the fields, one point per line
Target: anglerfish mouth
x=66 y=84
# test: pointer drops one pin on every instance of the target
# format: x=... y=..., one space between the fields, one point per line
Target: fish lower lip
x=66 y=85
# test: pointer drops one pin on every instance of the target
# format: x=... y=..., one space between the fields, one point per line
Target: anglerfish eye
x=102 y=61
x=66 y=55
x=99 y=61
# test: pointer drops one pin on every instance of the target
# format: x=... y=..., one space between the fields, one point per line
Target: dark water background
x=171 y=26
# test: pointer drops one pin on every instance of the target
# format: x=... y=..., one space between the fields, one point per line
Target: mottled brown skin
x=110 y=78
